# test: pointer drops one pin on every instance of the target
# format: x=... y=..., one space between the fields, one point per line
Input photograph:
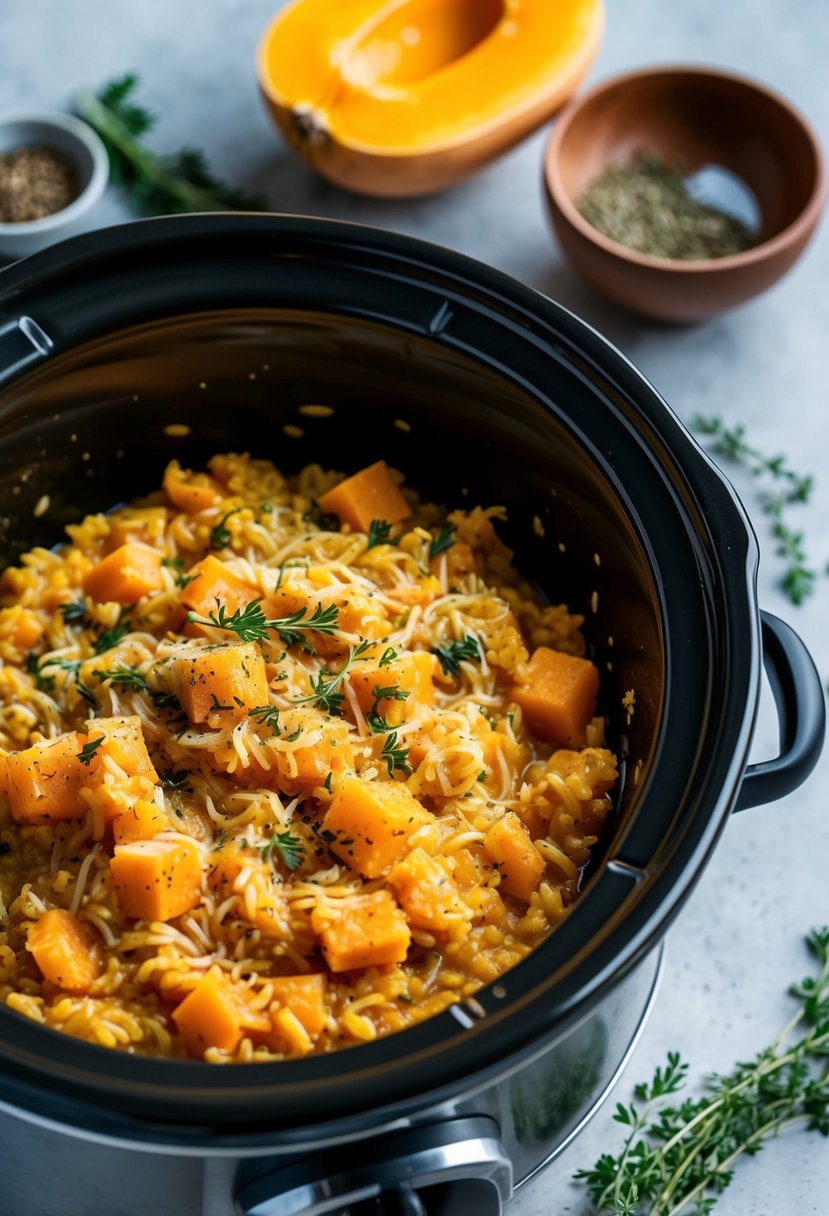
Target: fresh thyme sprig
x=268 y=715
x=453 y=653
x=176 y=564
x=677 y=1158
x=46 y=682
x=394 y=756
x=124 y=677
x=251 y=625
x=156 y=184
x=289 y=848
x=328 y=695
x=798 y=579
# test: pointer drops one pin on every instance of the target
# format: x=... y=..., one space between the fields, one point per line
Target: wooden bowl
x=695 y=117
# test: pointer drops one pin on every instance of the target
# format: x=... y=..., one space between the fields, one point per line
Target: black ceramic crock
x=222 y=328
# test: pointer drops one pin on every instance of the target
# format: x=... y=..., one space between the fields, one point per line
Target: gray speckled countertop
x=737 y=943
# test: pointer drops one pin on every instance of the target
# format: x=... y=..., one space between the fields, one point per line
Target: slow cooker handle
x=801 y=708
x=455 y=1167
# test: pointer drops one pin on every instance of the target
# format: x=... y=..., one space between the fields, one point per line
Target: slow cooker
x=187 y=336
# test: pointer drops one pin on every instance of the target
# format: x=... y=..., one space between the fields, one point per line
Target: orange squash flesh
x=65 y=950
x=558 y=697
x=368 y=495
x=157 y=879
x=370 y=933
x=371 y=822
x=43 y=783
x=128 y=574
x=406 y=97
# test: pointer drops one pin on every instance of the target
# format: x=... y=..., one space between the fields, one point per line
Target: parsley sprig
x=678 y=1157
x=798 y=580
x=379 y=533
x=157 y=184
x=74 y=613
x=251 y=625
x=454 y=653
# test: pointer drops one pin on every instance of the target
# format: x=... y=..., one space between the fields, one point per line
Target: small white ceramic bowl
x=78 y=143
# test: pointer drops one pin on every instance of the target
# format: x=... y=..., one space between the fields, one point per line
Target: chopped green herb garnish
x=452 y=654
x=394 y=756
x=74 y=613
x=327 y=695
x=481 y=775
x=288 y=846
x=379 y=533
x=111 y=637
x=124 y=677
x=390 y=693
x=166 y=700
x=294 y=735
x=176 y=564
x=445 y=539
x=89 y=749
x=376 y=723
x=267 y=715
x=388 y=656
x=220 y=536
x=174 y=779
x=327 y=782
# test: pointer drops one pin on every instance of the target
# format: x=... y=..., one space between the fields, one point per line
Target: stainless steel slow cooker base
x=488 y=1143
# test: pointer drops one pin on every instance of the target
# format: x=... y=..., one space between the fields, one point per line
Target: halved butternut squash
x=405 y=97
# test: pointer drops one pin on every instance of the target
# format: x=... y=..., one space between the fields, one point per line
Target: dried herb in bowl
x=35 y=182
x=647 y=206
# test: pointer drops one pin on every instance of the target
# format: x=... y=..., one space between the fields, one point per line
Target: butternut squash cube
x=43 y=783
x=304 y=996
x=220 y=684
x=188 y=491
x=427 y=894
x=143 y=820
x=214 y=582
x=124 y=744
x=371 y=932
x=20 y=626
x=521 y=865
x=65 y=950
x=157 y=879
x=216 y=1013
x=128 y=574
x=558 y=697
x=371 y=822
x=409 y=674
x=370 y=494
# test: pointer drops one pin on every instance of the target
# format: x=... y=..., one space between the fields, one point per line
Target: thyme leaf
x=89 y=749
x=453 y=653
x=288 y=846
x=394 y=756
